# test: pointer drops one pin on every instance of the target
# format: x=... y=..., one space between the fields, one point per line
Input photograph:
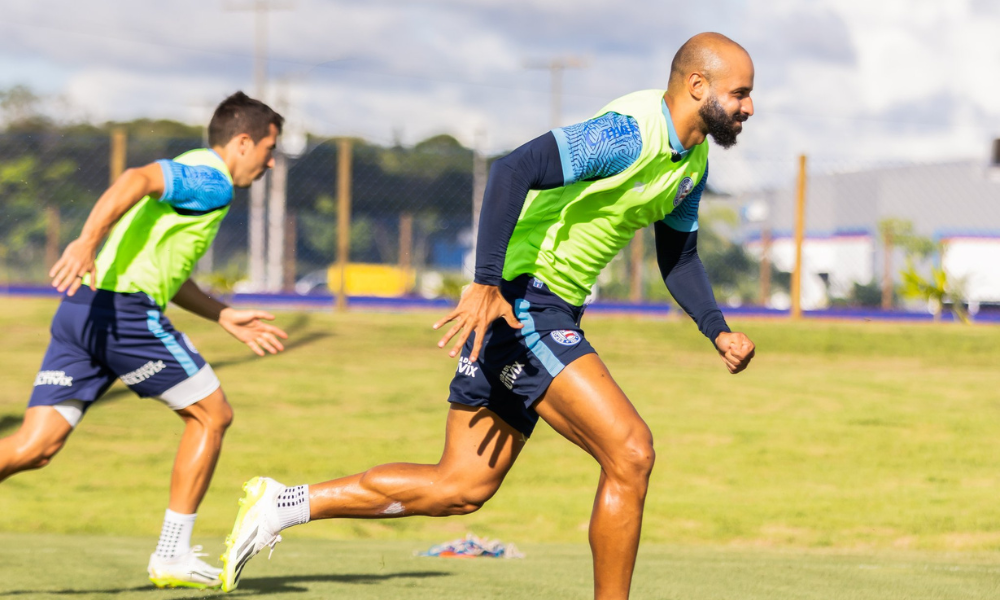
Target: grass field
x=103 y=567
x=855 y=460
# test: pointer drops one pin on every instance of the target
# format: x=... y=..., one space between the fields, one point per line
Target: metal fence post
x=638 y=248
x=479 y=178
x=887 y=248
x=765 y=265
x=406 y=247
x=53 y=227
x=291 y=242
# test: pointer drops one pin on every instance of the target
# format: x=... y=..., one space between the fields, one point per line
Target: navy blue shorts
x=516 y=366
x=101 y=336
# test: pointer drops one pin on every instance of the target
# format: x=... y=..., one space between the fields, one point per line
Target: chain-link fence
x=879 y=236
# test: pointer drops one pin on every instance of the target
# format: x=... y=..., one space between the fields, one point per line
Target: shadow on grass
x=271 y=585
x=251 y=587
x=8 y=424
x=292 y=343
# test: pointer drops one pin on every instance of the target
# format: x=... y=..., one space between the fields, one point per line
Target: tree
x=21 y=109
x=898 y=233
x=935 y=289
x=31 y=193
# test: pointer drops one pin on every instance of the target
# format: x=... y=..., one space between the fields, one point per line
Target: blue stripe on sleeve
x=194 y=189
x=598 y=148
x=685 y=216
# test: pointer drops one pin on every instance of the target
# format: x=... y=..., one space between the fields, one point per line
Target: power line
x=340 y=65
x=261 y=9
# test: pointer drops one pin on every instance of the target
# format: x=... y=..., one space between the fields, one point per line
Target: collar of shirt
x=675 y=142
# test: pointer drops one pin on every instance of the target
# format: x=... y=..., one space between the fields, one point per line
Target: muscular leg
x=479 y=450
x=205 y=422
x=586 y=406
x=41 y=435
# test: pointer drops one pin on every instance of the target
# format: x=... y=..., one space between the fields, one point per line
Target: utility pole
x=258 y=191
x=556 y=66
x=261 y=9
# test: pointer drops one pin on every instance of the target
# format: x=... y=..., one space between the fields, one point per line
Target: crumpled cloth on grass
x=472 y=546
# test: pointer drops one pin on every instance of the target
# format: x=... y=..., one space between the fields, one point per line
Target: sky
x=838 y=80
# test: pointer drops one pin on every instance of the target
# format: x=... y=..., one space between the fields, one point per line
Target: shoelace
x=196 y=552
x=272 y=544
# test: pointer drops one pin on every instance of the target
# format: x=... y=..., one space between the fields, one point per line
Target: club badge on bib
x=683 y=189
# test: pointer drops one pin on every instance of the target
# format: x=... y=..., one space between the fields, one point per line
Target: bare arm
x=78 y=258
x=247 y=326
x=192 y=299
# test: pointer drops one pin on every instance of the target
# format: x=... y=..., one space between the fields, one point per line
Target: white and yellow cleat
x=256 y=527
x=186 y=570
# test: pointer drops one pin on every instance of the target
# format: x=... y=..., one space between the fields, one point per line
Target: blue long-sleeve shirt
x=595 y=149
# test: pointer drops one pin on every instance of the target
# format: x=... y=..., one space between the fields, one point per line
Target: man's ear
x=697 y=86
x=243 y=143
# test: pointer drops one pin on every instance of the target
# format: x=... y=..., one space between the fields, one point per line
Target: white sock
x=175 y=537
x=293 y=506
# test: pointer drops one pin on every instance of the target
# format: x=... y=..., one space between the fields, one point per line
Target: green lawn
x=47 y=566
x=843 y=442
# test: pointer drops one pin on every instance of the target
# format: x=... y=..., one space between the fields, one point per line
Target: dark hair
x=238 y=114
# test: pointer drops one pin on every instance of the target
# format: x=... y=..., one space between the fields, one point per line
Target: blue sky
x=837 y=79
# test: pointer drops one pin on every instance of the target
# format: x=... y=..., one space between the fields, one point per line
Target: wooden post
x=635 y=267
x=765 y=266
x=887 y=269
x=118 y=148
x=343 y=218
x=800 y=225
x=406 y=246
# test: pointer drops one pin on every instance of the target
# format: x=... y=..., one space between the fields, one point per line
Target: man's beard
x=722 y=126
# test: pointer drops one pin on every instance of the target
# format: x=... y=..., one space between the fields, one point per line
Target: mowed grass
x=844 y=445
x=47 y=566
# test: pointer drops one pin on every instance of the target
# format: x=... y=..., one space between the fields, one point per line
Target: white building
x=955 y=203
x=973 y=263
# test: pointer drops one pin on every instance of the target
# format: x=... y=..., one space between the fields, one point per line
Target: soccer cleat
x=186 y=570
x=256 y=527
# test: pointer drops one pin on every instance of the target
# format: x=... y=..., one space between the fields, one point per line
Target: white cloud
x=835 y=78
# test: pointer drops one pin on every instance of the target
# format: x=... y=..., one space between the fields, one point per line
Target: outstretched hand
x=479 y=307
x=248 y=326
x=736 y=350
x=76 y=261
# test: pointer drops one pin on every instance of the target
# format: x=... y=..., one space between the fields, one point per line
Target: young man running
x=556 y=211
x=110 y=325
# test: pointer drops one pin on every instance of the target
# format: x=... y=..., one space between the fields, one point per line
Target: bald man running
x=555 y=212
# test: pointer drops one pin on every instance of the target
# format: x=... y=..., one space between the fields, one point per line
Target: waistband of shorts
x=135 y=302
x=536 y=292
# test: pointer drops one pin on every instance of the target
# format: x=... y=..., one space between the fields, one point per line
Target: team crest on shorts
x=566 y=337
x=683 y=189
